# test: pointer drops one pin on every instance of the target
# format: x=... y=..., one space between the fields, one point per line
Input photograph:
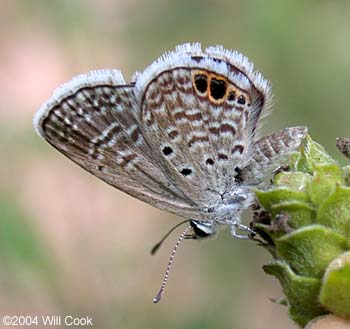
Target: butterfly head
x=203 y=229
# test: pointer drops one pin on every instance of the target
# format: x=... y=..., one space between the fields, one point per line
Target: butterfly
x=184 y=135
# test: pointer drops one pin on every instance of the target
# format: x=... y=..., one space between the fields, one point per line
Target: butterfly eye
x=201 y=83
x=217 y=88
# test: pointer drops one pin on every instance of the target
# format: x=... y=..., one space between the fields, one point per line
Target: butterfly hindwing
x=271 y=152
x=200 y=118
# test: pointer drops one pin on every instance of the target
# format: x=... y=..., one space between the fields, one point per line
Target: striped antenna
x=166 y=275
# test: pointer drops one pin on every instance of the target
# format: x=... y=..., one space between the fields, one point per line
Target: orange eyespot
x=218 y=88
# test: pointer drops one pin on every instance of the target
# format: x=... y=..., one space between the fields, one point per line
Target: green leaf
x=301 y=292
x=294 y=180
x=334 y=212
x=309 y=250
x=299 y=213
x=324 y=182
x=279 y=195
x=312 y=154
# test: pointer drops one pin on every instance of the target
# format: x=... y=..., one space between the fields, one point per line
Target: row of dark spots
x=167 y=151
x=222 y=129
x=217 y=88
x=223 y=156
x=232 y=97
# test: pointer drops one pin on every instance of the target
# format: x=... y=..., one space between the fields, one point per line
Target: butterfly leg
x=238 y=226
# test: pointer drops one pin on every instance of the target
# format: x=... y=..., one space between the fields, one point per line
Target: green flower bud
x=305 y=224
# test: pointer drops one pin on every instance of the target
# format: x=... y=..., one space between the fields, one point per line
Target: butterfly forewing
x=95 y=124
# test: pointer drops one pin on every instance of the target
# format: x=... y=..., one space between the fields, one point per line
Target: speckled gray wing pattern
x=194 y=133
x=177 y=137
x=96 y=127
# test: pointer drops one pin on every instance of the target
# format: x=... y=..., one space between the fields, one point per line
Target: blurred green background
x=71 y=245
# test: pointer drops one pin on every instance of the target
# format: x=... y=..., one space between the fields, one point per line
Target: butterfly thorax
x=225 y=212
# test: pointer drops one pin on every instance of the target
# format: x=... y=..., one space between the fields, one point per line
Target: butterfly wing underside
x=271 y=152
x=201 y=117
x=93 y=121
x=178 y=137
